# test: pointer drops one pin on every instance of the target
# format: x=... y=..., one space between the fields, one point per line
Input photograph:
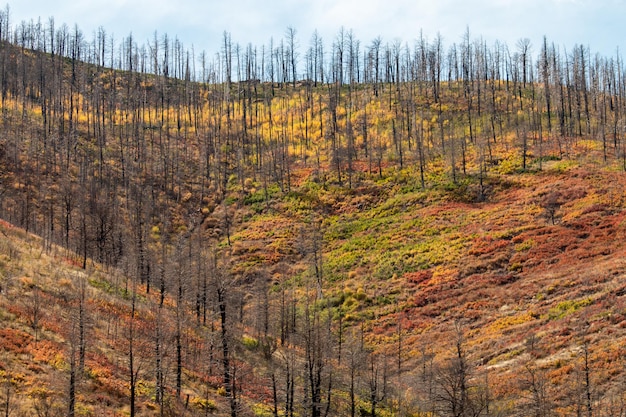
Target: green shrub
x=249 y=342
x=565 y=308
x=204 y=404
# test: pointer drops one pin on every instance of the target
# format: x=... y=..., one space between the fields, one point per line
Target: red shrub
x=485 y=245
x=503 y=279
x=419 y=276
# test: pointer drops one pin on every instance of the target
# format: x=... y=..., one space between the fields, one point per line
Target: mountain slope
x=414 y=244
x=533 y=275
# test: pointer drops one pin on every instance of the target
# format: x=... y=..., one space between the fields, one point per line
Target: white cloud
x=202 y=22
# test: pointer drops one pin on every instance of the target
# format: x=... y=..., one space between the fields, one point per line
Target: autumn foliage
x=417 y=234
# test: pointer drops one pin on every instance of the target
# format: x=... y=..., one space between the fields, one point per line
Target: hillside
x=531 y=278
x=429 y=235
x=402 y=266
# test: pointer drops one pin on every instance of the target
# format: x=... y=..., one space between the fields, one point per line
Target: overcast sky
x=598 y=24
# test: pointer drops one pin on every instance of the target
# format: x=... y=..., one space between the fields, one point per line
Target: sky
x=597 y=24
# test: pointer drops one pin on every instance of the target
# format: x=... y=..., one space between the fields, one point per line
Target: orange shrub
x=16 y=341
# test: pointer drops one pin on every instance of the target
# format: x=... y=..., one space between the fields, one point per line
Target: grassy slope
x=392 y=252
x=505 y=268
x=38 y=321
